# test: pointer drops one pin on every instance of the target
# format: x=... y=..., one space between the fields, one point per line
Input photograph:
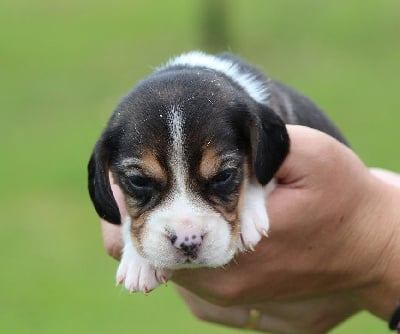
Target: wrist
x=381 y=296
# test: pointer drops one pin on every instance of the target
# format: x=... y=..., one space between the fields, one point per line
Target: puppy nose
x=188 y=244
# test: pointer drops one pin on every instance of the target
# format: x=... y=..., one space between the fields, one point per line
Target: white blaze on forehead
x=255 y=88
x=181 y=202
x=176 y=156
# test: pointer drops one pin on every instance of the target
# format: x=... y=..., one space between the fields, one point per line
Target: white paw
x=254 y=217
x=255 y=225
x=136 y=274
x=140 y=276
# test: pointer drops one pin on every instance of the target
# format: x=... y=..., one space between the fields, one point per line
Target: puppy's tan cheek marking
x=239 y=206
x=233 y=218
x=231 y=214
x=209 y=164
x=138 y=221
x=137 y=231
x=236 y=223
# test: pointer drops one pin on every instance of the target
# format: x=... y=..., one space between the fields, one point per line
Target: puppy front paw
x=254 y=217
x=255 y=225
x=140 y=277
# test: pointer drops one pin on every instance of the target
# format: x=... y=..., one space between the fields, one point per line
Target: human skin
x=334 y=236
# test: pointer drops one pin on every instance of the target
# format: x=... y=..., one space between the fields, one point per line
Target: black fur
x=217 y=112
x=99 y=185
x=270 y=144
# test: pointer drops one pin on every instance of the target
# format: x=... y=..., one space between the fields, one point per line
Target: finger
x=306 y=144
x=290 y=196
x=229 y=316
x=303 y=317
x=310 y=169
x=386 y=176
x=315 y=315
x=112 y=239
x=235 y=316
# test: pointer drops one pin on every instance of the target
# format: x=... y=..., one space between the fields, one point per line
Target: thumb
x=307 y=147
x=293 y=195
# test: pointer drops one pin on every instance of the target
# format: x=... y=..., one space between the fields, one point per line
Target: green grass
x=64 y=65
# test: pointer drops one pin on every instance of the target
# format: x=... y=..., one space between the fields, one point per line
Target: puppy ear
x=99 y=185
x=269 y=143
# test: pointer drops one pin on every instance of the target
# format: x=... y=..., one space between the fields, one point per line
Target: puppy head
x=182 y=146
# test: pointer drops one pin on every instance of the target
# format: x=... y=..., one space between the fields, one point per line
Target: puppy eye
x=140 y=182
x=223 y=177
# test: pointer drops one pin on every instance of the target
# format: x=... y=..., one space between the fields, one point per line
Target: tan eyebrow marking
x=152 y=167
x=149 y=164
x=209 y=164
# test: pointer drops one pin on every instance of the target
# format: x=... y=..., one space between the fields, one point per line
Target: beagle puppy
x=194 y=148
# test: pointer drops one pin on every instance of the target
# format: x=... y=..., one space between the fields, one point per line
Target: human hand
x=323 y=251
x=307 y=316
x=326 y=242
x=387 y=176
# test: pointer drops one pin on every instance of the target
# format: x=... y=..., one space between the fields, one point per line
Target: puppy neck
x=257 y=89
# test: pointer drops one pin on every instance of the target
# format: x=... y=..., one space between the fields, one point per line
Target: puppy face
x=183 y=146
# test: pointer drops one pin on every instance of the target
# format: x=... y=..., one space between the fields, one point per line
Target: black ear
x=99 y=185
x=269 y=143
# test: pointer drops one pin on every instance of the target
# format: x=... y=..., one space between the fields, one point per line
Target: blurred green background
x=63 y=67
